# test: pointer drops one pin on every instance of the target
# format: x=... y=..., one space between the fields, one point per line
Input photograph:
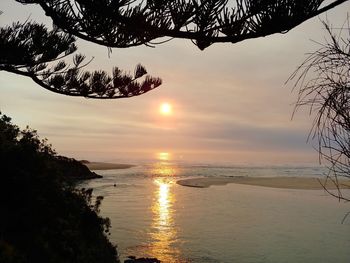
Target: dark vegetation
x=44 y=218
x=323 y=82
x=32 y=50
x=128 y=23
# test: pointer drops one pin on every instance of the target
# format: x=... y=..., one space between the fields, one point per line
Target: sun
x=165 y=108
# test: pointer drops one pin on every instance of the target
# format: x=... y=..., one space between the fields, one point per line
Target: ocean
x=152 y=216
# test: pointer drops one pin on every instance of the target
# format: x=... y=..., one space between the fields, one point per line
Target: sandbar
x=304 y=183
x=107 y=166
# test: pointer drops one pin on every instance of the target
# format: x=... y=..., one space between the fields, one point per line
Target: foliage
x=129 y=23
x=31 y=50
x=43 y=217
x=324 y=86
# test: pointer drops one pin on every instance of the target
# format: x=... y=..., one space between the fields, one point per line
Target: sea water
x=152 y=216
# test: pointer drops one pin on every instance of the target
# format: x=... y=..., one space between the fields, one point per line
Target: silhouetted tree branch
x=131 y=23
x=323 y=81
x=29 y=49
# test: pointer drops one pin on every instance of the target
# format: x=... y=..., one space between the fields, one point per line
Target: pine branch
x=31 y=50
x=323 y=83
x=123 y=24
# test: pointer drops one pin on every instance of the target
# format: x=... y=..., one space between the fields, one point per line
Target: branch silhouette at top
x=127 y=23
x=30 y=49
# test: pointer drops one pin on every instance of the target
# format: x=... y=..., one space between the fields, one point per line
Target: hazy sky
x=229 y=102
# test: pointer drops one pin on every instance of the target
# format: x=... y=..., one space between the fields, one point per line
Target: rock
x=132 y=259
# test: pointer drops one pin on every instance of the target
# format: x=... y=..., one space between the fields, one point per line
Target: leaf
x=77 y=59
x=60 y=65
x=140 y=71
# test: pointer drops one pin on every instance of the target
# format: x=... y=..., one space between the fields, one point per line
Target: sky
x=230 y=103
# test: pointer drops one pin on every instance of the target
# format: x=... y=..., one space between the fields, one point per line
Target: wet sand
x=107 y=166
x=274 y=182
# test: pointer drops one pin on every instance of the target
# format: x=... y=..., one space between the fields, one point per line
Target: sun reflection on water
x=162 y=208
x=163 y=232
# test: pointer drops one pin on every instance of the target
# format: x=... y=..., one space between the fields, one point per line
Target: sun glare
x=165 y=109
x=163 y=156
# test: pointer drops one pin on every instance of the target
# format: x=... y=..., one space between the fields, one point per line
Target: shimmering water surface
x=152 y=216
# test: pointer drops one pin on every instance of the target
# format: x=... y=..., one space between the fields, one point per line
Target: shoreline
x=307 y=183
x=106 y=166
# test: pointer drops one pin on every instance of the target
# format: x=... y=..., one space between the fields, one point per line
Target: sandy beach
x=107 y=166
x=275 y=182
